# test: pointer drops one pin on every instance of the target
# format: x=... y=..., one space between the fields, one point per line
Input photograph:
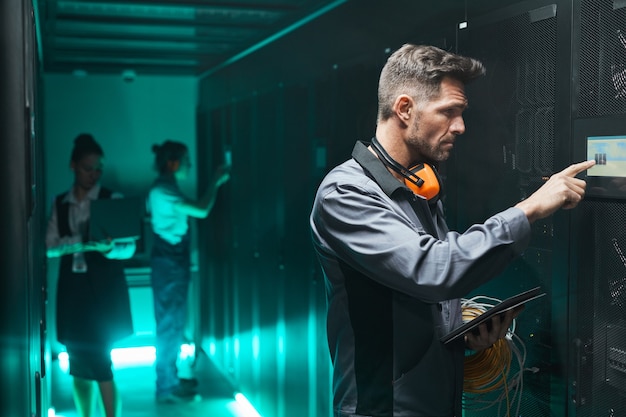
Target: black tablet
x=499 y=308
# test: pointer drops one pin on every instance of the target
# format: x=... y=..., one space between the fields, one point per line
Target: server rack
x=22 y=286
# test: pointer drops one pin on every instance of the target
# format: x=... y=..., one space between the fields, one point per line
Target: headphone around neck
x=422 y=178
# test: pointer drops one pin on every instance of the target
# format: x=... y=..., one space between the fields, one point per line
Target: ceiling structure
x=200 y=37
x=165 y=37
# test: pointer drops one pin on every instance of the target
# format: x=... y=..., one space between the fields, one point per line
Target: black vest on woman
x=93 y=308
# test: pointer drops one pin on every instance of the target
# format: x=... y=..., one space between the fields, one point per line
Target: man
x=394 y=272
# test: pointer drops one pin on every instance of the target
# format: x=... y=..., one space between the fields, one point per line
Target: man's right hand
x=561 y=190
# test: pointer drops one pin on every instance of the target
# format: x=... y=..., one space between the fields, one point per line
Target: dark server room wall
x=265 y=299
x=598 y=345
x=23 y=391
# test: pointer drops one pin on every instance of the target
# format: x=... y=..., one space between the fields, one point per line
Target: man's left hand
x=486 y=336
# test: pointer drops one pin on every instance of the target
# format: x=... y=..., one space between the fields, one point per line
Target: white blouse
x=78 y=221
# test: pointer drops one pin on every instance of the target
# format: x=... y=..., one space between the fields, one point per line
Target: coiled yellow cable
x=487 y=370
x=494 y=376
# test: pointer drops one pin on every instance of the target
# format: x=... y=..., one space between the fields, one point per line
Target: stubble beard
x=427 y=152
x=423 y=148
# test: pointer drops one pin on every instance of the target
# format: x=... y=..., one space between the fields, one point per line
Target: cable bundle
x=489 y=380
x=488 y=369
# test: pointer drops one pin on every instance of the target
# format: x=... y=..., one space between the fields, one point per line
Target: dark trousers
x=170 y=284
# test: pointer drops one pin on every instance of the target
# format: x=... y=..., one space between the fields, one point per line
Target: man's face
x=437 y=123
x=88 y=170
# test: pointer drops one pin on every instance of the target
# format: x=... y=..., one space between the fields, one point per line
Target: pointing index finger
x=575 y=169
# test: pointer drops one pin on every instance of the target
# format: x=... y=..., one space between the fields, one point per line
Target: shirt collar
x=376 y=168
x=167 y=179
x=92 y=194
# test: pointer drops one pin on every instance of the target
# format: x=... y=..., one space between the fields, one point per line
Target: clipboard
x=503 y=306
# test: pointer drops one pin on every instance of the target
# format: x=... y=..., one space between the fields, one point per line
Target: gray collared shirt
x=394 y=274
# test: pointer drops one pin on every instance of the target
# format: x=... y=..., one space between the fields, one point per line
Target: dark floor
x=136 y=386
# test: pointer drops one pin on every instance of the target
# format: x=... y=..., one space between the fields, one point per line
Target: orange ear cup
x=173 y=165
x=428 y=180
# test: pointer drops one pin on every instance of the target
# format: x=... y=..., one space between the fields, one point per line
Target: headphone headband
x=428 y=185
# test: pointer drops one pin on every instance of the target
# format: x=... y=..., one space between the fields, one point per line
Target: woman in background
x=170 y=261
x=93 y=307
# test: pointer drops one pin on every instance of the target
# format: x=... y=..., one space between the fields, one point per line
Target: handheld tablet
x=503 y=306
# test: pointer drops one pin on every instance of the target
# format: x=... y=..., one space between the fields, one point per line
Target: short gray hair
x=417 y=70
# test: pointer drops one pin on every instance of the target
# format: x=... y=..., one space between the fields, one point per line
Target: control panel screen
x=609 y=152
